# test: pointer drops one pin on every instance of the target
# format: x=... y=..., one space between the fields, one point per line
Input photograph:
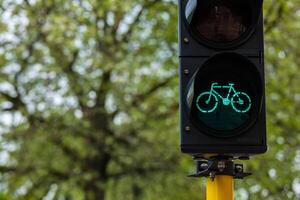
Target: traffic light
x=222 y=95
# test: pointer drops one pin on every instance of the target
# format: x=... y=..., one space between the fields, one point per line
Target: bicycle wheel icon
x=207 y=102
x=241 y=102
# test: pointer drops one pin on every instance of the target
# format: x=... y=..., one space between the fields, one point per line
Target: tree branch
x=136 y=20
x=271 y=23
x=16 y=101
x=141 y=97
x=141 y=171
x=73 y=79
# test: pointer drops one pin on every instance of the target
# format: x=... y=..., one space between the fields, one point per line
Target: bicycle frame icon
x=207 y=102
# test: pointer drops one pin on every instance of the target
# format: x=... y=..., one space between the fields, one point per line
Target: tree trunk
x=94 y=193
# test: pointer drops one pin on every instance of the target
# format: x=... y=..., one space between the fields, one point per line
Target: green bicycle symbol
x=207 y=102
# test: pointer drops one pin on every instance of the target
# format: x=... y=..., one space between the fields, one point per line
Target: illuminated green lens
x=225 y=95
x=207 y=102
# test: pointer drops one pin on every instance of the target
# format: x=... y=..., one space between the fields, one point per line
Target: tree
x=277 y=172
x=78 y=83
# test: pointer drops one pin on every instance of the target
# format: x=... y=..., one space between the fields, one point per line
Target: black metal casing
x=193 y=54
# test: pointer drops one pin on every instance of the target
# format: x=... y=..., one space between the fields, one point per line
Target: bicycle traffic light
x=222 y=100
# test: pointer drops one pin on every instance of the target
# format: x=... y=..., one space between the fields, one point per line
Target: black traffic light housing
x=222 y=97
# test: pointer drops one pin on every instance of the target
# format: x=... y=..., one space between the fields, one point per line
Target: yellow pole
x=221 y=188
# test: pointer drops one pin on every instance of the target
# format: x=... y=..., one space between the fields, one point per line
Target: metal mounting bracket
x=217 y=166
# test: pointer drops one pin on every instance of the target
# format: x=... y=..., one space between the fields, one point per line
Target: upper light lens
x=221 y=21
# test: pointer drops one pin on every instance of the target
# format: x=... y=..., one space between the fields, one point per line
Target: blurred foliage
x=89 y=97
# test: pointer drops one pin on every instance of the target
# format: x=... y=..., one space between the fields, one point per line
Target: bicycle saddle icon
x=207 y=102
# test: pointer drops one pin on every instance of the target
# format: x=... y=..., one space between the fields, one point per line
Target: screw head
x=204 y=165
x=187 y=128
x=186 y=71
x=186 y=40
x=212 y=175
x=221 y=165
x=239 y=168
